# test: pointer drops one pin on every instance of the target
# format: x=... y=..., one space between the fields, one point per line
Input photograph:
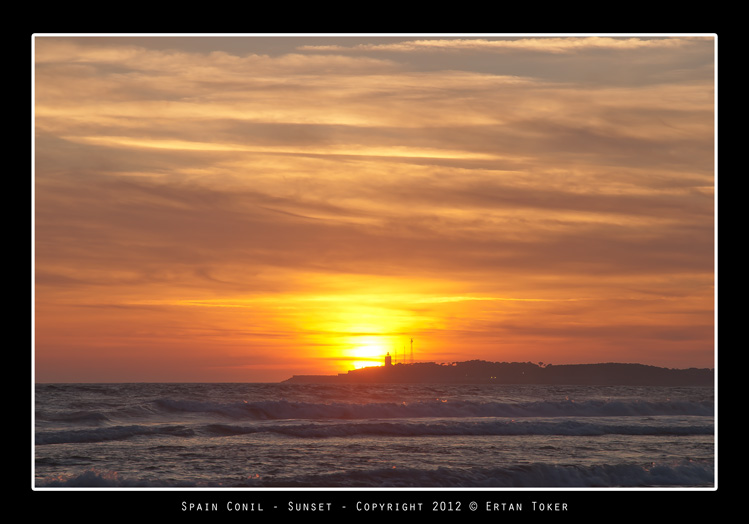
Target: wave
x=103 y=479
x=319 y=430
x=282 y=409
x=537 y=475
x=493 y=428
x=108 y=434
x=79 y=417
x=525 y=476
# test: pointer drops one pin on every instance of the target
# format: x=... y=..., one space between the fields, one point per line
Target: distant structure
x=389 y=359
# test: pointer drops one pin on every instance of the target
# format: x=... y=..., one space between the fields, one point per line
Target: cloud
x=193 y=178
x=546 y=44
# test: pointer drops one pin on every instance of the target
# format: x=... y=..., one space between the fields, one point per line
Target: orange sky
x=248 y=208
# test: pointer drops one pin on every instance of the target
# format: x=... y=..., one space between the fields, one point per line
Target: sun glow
x=367 y=351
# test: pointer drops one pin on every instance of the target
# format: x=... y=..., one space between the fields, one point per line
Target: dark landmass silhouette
x=483 y=372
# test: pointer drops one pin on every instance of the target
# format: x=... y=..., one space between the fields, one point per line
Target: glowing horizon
x=248 y=208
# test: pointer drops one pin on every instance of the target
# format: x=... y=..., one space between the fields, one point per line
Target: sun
x=367 y=351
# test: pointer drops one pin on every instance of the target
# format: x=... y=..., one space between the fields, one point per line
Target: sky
x=243 y=208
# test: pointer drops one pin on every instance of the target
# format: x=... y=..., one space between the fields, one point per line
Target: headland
x=483 y=372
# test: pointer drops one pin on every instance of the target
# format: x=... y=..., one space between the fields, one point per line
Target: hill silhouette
x=483 y=372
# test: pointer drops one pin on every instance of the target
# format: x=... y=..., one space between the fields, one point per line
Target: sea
x=389 y=436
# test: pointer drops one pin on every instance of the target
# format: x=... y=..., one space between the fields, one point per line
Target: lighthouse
x=388 y=360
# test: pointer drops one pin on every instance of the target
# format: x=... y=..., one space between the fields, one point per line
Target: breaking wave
x=522 y=476
x=404 y=428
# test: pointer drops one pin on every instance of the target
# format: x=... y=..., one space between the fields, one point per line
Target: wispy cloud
x=443 y=198
x=543 y=44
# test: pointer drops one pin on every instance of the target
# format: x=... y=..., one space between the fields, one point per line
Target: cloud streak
x=196 y=177
x=546 y=44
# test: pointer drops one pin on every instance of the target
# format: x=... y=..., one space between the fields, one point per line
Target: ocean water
x=372 y=436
